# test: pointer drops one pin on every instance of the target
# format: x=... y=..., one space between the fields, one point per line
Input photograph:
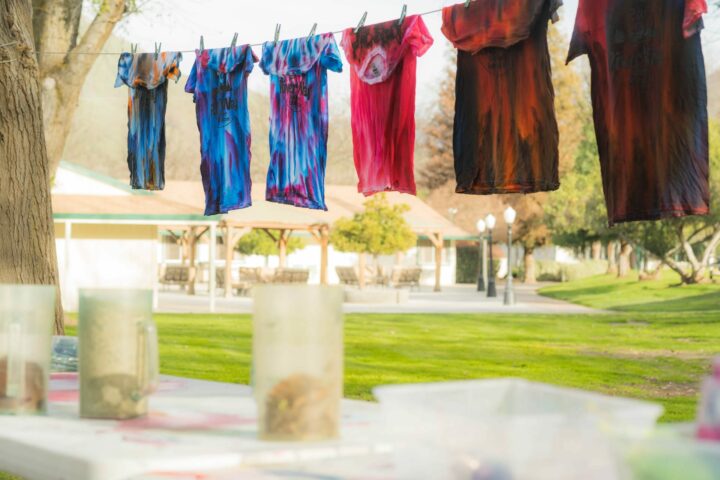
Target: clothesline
x=431 y=12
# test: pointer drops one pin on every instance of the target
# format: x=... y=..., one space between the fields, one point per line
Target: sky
x=178 y=24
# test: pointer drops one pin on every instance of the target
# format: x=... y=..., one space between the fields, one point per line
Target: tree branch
x=710 y=250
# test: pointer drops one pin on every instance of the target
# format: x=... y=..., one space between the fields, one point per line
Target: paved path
x=456 y=299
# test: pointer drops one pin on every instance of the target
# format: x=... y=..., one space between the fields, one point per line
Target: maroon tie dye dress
x=650 y=104
x=506 y=135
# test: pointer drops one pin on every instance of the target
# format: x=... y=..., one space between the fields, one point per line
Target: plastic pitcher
x=27 y=314
x=298 y=361
x=118 y=353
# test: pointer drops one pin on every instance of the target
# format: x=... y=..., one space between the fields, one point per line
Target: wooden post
x=282 y=245
x=229 y=249
x=212 y=246
x=324 y=242
x=438 y=241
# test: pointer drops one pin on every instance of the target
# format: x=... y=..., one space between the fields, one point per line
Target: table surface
x=195 y=429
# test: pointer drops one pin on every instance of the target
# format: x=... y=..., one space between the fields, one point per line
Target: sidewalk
x=455 y=299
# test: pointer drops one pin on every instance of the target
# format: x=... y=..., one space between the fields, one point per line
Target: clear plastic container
x=118 y=353
x=709 y=406
x=298 y=361
x=27 y=316
x=64 y=354
x=508 y=429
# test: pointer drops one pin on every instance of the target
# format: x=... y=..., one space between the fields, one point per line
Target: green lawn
x=629 y=295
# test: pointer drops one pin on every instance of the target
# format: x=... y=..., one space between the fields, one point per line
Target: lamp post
x=491 y=290
x=510 y=215
x=481 y=255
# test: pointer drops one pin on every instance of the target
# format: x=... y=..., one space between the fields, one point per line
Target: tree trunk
x=612 y=259
x=624 y=267
x=27 y=242
x=529 y=261
x=63 y=77
x=361 y=270
x=596 y=250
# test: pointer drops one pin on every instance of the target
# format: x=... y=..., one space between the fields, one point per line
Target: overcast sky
x=178 y=24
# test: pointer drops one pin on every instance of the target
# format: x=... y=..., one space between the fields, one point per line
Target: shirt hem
x=502 y=189
x=659 y=215
x=287 y=201
x=369 y=191
x=224 y=210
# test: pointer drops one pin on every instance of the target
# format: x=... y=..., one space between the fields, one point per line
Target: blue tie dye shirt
x=299 y=118
x=218 y=82
x=147 y=100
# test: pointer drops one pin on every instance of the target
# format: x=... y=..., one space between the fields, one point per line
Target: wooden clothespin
x=234 y=41
x=362 y=22
x=158 y=47
x=403 y=15
x=202 y=43
x=277 y=33
x=467 y=3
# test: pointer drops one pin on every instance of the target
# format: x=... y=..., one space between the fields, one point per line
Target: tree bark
x=27 y=242
x=612 y=260
x=529 y=261
x=624 y=267
x=63 y=77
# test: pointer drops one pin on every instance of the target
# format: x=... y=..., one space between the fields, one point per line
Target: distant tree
x=379 y=230
x=27 y=242
x=259 y=242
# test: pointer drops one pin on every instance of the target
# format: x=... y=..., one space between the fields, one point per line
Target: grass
x=655 y=343
x=628 y=295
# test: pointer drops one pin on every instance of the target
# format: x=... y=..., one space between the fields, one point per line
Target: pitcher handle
x=152 y=358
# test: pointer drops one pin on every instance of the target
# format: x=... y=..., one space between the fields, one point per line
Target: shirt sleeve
x=124 y=65
x=191 y=83
x=330 y=58
x=693 y=23
x=250 y=59
x=420 y=38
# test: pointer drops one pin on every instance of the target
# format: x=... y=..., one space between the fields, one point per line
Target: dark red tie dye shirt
x=506 y=135
x=650 y=104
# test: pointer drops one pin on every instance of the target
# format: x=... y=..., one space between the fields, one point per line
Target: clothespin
x=234 y=41
x=133 y=48
x=312 y=30
x=403 y=15
x=158 y=47
x=362 y=22
x=467 y=3
x=202 y=43
x=277 y=33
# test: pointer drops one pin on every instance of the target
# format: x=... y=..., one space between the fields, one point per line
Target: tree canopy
x=379 y=230
x=258 y=242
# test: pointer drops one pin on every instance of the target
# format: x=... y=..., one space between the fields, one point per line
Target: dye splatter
x=383 y=83
x=650 y=104
x=218 y=82
x=147 y=101
x=506 y=135
x=299 y=118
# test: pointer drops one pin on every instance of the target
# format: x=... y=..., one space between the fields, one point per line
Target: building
x=113 y=237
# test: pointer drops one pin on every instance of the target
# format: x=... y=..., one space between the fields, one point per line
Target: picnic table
x=196 y=429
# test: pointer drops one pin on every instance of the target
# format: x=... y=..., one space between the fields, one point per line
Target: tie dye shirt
x=218 y=82
x=649 y=98
x=506 y=135
x=147 y=100
x=299 y=118
x=382 y=81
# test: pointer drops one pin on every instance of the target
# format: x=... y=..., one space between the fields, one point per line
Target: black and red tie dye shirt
x=506 y=135
x=650 y=104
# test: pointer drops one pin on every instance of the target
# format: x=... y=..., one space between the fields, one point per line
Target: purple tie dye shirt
x=299 y=118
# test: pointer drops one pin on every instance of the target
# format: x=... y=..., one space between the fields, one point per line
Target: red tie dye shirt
x=650 y=104
x=384 y=62
x=506 y=136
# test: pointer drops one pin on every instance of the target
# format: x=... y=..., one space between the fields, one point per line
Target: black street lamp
x=510 y=215
x=491 y=290
x=482 y=265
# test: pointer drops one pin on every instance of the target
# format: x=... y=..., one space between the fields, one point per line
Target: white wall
x=105 y=263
